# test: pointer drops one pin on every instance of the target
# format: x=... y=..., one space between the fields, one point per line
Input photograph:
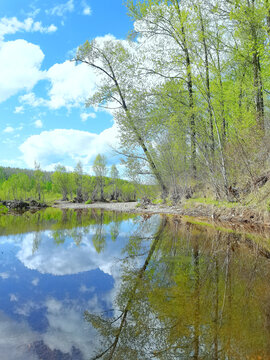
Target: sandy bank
x=130 y=207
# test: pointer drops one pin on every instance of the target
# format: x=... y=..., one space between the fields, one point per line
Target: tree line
x=75 y=185
x=190 y=91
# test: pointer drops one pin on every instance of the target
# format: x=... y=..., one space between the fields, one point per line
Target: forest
x=67 y=185
x=189 y=91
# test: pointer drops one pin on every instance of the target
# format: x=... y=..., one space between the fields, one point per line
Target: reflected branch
x=112 y=348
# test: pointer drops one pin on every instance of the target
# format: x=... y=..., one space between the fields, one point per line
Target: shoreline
x=239 y=216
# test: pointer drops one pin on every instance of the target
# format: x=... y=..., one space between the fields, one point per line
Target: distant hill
x=6 y=172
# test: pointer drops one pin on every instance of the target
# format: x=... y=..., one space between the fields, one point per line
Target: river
x=87 y=284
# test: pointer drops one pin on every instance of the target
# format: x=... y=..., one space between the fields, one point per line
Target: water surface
x=79 y=284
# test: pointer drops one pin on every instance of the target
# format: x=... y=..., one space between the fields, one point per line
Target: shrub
x=3 y=209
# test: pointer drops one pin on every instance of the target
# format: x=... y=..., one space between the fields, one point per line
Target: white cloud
x=70 y=258
x=86 y=8
x=8 y=129
x=67 y=329
x=38 y=124
x=37 y=26
x=32 y=100
x=67 y=146
x=71 y=85
x=34 y=12
x=87 y=11
x=61 y=9
x=13 y=298
x=15 y=338
x=35 y=281
x=19 y=75
x=19 y=110
x=84 y=289
x=85 y=116
x=13 y=25
x=4 y=276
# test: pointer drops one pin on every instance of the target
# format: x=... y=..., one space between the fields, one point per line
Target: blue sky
x=42 y=93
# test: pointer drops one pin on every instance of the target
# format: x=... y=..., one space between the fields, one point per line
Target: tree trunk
x=258 y=87
x=110 y=351
x=267 y=16
x=222 y=103
x=190 y=93
x=207 y=83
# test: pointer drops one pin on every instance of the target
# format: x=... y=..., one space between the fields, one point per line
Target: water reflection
x=198 y=294
x=50 y=272
x=94 y=284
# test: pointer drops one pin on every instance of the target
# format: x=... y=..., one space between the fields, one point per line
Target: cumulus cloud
x=67 y=329
x=35 y=281
x=85 y=116
x=87 y=11
x=15 y=338
x=38 y=124
x=32 y=100
x=71 y=84
x=19 y=110
x=19 y=75
x=8 y=129
x=61 y=9
x=70 y=258
x=63 y=146
x=86 y=8
x=4 y=276
x=13 y=298
x=13 y=25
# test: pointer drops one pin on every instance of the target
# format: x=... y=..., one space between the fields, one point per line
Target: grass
x=190 y=202
x=255 y=238
x=192 y=220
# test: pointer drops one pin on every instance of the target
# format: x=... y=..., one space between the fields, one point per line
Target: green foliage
x=191 y=202
x=62 y=181
x=62 y=184
x=100 y=171
x=157 y=201
x=60 y=222
x=194 y=111
x=3 y=209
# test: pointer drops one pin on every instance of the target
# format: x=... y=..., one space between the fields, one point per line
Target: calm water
x=76 y=285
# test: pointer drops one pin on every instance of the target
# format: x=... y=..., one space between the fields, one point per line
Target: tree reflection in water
x=189 y=292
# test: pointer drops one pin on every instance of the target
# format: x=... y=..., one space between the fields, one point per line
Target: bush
x=3 y=209
x=89 y=201
x=169 y=202
x=157 y=201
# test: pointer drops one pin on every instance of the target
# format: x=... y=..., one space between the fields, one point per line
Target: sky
x=43 y=117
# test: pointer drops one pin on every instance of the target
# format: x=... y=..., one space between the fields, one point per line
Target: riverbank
x=218 y=213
